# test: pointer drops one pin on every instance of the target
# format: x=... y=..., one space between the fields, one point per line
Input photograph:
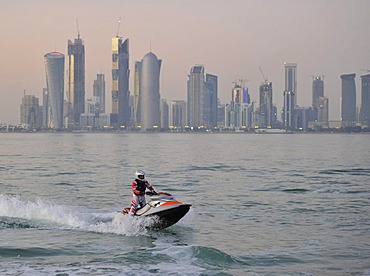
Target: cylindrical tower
x=149 y=92
x=54 y=68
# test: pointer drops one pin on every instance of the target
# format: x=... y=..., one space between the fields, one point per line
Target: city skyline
x=232 y=40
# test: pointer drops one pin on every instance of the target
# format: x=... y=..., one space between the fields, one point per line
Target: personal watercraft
x=164 y=208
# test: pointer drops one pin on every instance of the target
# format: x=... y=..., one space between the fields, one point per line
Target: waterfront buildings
x=120 y=82
x=348 y=100
x=54 y=68
x=177 y=114
x=365 y=100
x=239 y=113
x=76 y=82
x=148 y=101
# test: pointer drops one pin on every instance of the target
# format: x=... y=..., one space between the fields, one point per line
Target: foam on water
x=46 y=214
x=19 y=213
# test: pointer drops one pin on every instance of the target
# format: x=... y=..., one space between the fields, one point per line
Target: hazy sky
x=231 y=38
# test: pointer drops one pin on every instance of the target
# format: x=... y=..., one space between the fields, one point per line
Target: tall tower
x=195 y=95
x=46 y=113
x=288 y=110
x=323 y=111
x=317 y=90
x=76 y=82
x=54 y=68
x=210 y=101
x=120 y=81
x=149 y=96
x=136 y=92
x=236 y=94
x=29 y=111
x=348 y=100
x=365 y=99
x=291 y=80
x=266 y=105
x=99 y=91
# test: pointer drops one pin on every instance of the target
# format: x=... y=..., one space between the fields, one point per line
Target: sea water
x=262 y=204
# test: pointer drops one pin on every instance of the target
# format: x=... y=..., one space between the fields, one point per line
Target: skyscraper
x=291 y=81
x=195 y=96
x=165 y=114
x=29 y=111
x=54 y=68
x=265 y=119
x=236 y=94
x=76 y=82
x=99 y=91
x=365 y=99
x=149 y=96
x=210 y=103
x=136 y=92
x=323 y=111
x=348 y=100
x=46 y=113
x=120 y=81
x=288 y=110
x=317 y=90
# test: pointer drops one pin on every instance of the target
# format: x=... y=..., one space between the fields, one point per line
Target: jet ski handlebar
x=159 y=195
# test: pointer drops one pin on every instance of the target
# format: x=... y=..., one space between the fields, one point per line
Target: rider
x=139 y=186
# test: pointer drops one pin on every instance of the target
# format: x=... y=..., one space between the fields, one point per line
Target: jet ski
x=164 y=208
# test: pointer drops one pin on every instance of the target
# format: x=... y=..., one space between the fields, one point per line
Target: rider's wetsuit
x=138 y=194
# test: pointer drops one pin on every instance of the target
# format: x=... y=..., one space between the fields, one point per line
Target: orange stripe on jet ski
x=171 y=203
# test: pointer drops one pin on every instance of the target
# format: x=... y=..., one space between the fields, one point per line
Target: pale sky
x=231 y=38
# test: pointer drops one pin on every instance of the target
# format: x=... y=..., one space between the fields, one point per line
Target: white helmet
x=140 y=175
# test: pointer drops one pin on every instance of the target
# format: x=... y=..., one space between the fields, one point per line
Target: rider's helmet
x=140 y=175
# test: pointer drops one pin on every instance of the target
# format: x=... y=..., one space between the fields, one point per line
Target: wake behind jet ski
x=164 y=208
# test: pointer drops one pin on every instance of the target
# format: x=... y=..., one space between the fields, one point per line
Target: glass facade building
x=291 y=80
x=317 y=90
x=99 y=92
x=365 y=99
x=120 y=81
x=195 y=96
x=265 y=110
x=348 y=100
x=76 y=82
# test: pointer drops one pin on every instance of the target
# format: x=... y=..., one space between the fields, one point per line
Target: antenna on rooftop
x=119 y=24
x=78 y=29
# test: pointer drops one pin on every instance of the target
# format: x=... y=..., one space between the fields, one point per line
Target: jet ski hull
x=165 y=210
x=169 y=217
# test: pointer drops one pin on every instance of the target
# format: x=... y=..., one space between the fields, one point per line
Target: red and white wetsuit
x=138 y=194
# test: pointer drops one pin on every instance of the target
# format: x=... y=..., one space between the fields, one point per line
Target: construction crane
x=263 y=76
